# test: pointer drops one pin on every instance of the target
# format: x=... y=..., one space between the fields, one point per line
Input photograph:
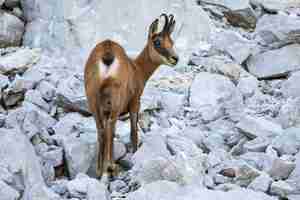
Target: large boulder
x=276 y=5
x=75 y=27
x=291 y=88
x=11 y=30
x=275 y=63
x=19 y=156
x=169 y=190
x=214 y=95
x=273 y=29
x=234 y=44
x=294 y=179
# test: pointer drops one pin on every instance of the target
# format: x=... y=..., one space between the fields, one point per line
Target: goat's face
x=160 y=41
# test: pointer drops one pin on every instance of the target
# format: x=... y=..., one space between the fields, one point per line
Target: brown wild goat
x=114 y=84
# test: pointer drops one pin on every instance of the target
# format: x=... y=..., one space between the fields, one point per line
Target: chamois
x=114 y=84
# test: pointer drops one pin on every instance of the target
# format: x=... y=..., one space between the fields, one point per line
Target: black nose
x=175 y=58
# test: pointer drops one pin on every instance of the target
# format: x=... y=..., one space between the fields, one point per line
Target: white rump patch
x=108 y=71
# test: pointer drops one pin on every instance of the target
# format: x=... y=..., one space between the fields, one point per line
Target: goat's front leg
x=134 y=112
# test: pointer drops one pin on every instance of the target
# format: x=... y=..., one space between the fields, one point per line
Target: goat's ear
x=153 y=28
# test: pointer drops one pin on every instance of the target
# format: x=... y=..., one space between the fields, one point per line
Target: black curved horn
x=166 y=21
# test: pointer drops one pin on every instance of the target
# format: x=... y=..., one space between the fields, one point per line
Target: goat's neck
x=146 y=64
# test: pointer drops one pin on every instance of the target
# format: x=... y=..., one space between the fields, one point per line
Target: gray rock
x=219 y=65
x=180 y=144
x=233 y=5
x=274 y=5
x=281 y=169
x=35 y=97
x=293 y=197
x=7 y=192
x=65 y=24
x=12 y=29
x=79 y=154
x=119 y=150
x=181 y=169
x=74 y=124
x=245 y=175
x=287 y=143
x=254 y=127
x=21 y=159
x=118 y=186
x=153 y=147
x=47 y=90
x=20 y=60
x=233 y=44
x=281 y=189
x=5 y=175
x=262 y=183
x=71 y=95
x=275 y=63
x=259 y=161
x=214 y=95
x=54 y=156
x=294 y=178
x=248 y=86
x=290 y=87
x=85 y=187
x=11 y=3
x=289 y=114
x=245 y=18
x=3 y=81
x=168 y=191
x=259 y=144
x=276 y=29
x=96 y=190
x=48 y=172
x=214 y=141
x=30 y=119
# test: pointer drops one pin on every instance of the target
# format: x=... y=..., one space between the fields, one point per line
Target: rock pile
x=223 y=125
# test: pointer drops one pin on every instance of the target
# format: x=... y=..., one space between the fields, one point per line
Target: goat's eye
x=156 y=43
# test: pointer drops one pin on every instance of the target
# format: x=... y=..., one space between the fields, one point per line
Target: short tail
x=108 y=56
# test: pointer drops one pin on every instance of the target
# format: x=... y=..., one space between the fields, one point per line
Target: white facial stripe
x=108 y=71
x=161 y=24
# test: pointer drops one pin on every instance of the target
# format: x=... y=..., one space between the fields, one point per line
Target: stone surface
x=7 y=192
x=281 y=169
x=258 y=144
x=168 y=190
x=18 y=154
x=275 y=63
x=289 y=114
x=290 y=88
x=287 y=143
x=11 y=30
x=262 y=183
x=254 y=127
x=234 y=44
x=281 y=189
x=276 y=5
x=68 y=23
x=214 y=95
x=294 y=179
x=20 y=60
x=272 y=29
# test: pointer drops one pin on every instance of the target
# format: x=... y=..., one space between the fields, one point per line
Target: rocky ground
x=223 y=124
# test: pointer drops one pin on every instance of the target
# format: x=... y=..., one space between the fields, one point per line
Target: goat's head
x=160 y=41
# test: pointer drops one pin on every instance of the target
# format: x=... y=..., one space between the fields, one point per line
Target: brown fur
x=109 y=97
